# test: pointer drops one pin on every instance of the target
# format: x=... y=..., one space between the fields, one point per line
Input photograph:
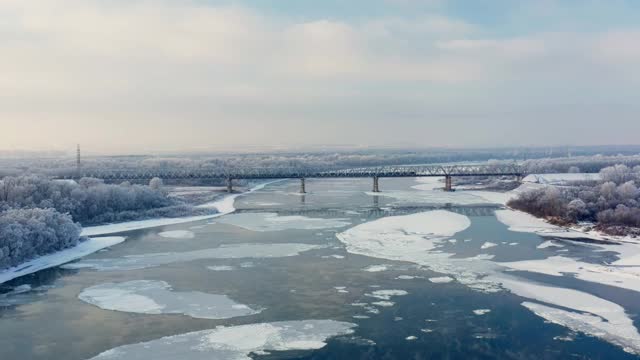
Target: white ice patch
x=177 y=234
x=377 y=268
x=221 y=268
x=234 y=342
x=595 y=316
x=274 y=222
x=560 y=179
x=548 y=244
x=61 y=257
x=386 y=294
x=383 y=303
x=488 y=245
x=157 y=297
x=411 y=338
x=236 y=251
x=438 y=197
x=626 y=277
x=441 y=280
x=481 y=311
x=519 y=221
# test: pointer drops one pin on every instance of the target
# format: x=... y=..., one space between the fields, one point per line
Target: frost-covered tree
x=29 y=233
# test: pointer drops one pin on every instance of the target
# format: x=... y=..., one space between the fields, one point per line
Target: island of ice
x=235 y=342
x=157 y=297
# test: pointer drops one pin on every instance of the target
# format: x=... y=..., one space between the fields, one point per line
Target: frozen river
x=338 y=273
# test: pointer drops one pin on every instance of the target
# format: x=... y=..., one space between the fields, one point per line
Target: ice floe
x=481 y=311
x=177 y=234
x=61 y=257
x=626 y=277
x=157 y=297
x=221 y=268
x=377 y=268
x=231 y=251
x=441 y=280
x=591 y=315
x=234 y=342
x=386 y=294
x=275 y=222
x=411 y=338
x=488 y=245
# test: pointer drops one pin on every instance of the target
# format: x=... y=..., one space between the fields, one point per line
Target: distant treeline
x=614 y=203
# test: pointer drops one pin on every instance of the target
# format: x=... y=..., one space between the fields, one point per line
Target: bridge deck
x=279 y=173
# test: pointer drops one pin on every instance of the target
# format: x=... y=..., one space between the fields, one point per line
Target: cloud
x=77 y=65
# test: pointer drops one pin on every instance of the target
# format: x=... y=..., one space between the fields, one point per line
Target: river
x=441 y=277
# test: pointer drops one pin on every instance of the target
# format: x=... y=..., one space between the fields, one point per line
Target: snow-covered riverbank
x=223 y=206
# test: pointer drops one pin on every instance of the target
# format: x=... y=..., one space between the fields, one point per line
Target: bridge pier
x=302 y=186
x=376 y=187
x=448 y=183
x=229 y=185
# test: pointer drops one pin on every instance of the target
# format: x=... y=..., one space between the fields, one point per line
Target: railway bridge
x=375 y=173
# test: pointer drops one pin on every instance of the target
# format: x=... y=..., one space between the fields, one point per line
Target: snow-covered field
x=234 y=342
x=61 y=257
x=560 y=179
x=157 y=297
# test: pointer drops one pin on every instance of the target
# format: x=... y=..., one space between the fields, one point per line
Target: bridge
x=375 y=173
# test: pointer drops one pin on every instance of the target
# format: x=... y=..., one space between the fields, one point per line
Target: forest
x=613 y=203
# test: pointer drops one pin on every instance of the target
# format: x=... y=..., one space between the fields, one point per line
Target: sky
x=120 y=76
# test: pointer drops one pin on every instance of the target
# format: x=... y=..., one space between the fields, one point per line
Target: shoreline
x=97 y=241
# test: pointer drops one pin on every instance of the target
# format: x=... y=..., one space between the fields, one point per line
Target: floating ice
x=411 y=338
x=549 y=243
x=626 y=277
x=221 y=268
x=177 y=234
x=441 y=280
x=377 y=268
x=407 y=277
x=481 y=311
x=383 y=303
x=236 y=251
x=64 y=256
x=595 y=316
x=386 y=294
x=157 y=297
x=235 y=342
x=274 y=222
x=488 y=245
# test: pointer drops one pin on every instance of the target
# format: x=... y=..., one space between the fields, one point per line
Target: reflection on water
x=325 y=282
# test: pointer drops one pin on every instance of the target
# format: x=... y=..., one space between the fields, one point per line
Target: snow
x=235 y=251
x=481 y=311
x=594 y=316
x=274 y=222
x=223 y=206
x=157 y=297
x=234 y=342
x=519 y=221
x=441 y=280
x=560 y=179
x=488 y=245
x=383 y=303
x=61 y=257
x=177 y=234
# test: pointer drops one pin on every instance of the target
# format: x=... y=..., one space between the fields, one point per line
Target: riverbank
x=223 y=205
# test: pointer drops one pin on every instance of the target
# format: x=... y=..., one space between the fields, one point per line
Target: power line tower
x=78 y=158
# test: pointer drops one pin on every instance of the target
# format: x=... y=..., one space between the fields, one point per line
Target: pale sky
x=168 y=75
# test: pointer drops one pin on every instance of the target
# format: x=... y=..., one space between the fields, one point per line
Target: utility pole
x=78 y=158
